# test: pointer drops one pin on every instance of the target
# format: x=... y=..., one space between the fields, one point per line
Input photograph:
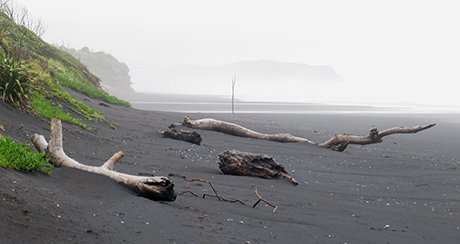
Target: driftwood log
x=234 y=162
x=340 y=142
x=183 y=135
x=337 y=143
x=155 y=188
x=237 y=130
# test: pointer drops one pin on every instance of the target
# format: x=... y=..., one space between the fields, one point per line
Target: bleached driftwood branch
x=155 y=188
x=238 y=130
x=340 y=142
x=336 y=143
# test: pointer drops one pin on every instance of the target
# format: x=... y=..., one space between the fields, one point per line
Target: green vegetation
x=49 y=110
x=113 y=73
x=113 y=125
x=32 y=74
x=22 y=157
x=16 y=77
x=70 y=78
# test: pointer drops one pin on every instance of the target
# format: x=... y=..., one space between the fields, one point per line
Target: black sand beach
x=405 y=190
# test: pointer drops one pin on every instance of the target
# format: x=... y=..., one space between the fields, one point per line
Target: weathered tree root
x=216 y=195
x=183 y=135
x=261 y=199
x=234 y=162
x=155 y=188
x=337 y=143
x=340 y=142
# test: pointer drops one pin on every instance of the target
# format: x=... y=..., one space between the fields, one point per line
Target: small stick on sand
x=187 y=191
x=216 y=195
x=261 y=199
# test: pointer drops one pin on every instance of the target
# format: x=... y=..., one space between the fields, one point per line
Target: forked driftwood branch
x=154 y=188
x=340 y=142
x=261 y=199
x=336 y=143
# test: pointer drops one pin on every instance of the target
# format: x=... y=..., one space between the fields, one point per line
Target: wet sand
x=405 y=190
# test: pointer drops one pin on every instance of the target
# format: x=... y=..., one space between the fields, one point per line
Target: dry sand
x=405 y=190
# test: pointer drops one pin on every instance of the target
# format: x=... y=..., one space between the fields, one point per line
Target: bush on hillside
x=16 y=77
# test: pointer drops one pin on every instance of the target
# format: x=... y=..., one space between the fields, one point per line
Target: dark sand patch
x=402 y=191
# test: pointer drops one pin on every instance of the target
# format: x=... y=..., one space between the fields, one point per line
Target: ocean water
x=263 y=107
x=221 y=104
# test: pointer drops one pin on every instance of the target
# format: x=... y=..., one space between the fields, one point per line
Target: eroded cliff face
x=114 y=74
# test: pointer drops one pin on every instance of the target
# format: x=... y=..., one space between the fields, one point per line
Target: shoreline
x=221 y=104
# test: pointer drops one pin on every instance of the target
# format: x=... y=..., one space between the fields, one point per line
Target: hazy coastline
x=222 y=104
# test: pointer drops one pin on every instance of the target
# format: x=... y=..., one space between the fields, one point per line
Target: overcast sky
x=386 y=51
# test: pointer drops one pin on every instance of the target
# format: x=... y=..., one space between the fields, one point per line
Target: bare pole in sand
x=155 y=188
x=337 y=143
x=233 y=93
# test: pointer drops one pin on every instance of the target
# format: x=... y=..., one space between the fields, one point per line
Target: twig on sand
x=261 y=199
x=187 y=191
x=216 y=195
x=220 y=198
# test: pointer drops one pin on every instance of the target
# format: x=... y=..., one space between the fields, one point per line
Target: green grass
x=91 y=91
x=71 y=79
x=40 y=72
x=76 y=105
x=50 y=110
x=22 y=157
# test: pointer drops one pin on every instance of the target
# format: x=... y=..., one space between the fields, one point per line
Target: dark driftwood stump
x=248 y=164
x=183 y=135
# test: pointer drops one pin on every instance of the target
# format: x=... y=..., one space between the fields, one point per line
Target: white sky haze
x=386 y=51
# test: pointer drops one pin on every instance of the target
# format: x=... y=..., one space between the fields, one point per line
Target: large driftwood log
x=155 y=188
x=237 y=130
x=248 y=164
x=336 y=143
x=183 y=135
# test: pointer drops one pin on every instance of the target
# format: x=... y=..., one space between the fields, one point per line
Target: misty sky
x=386 y=51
